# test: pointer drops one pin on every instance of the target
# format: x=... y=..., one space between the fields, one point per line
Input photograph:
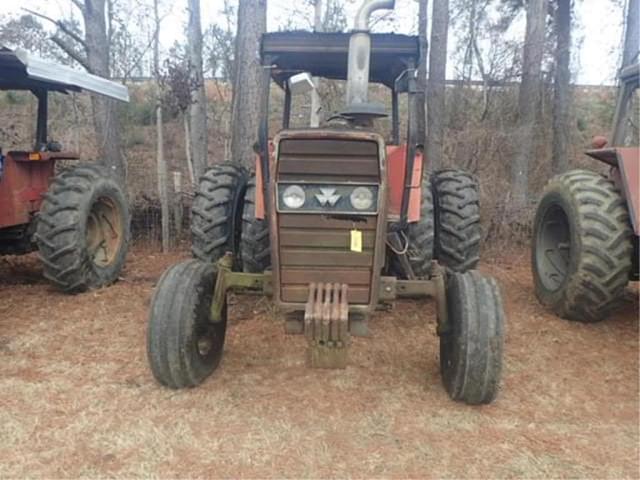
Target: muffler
x=359 y=61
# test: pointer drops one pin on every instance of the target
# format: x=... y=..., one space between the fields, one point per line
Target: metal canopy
x=325 y=55
x=20 y=70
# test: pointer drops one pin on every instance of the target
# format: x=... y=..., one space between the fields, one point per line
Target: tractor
x=78 y=219
x=335 y=222
x=586 y=227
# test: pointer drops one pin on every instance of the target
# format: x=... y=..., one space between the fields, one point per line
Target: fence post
x=177 y=205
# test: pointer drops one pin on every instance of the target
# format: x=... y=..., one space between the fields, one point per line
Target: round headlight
x=361 y=198
x=293 y=196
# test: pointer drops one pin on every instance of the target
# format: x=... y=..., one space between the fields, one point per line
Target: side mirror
x=301 y=83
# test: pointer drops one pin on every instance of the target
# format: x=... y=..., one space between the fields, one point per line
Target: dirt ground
x=77 y=398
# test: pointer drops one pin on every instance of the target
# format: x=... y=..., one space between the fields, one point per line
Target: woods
x=473 y=62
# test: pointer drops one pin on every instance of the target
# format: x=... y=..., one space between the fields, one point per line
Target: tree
x=27 y=32
x=198 y=109
x=436 y=114
x=248 y=80
x=422 y=69
x=631 y=33
x=93 y=52
x=528 y=100
x=161 y=162
x=561 y=86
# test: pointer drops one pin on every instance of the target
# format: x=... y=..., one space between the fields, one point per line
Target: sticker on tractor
x=356 y=241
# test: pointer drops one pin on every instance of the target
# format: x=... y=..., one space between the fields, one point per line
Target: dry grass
x=78 y=399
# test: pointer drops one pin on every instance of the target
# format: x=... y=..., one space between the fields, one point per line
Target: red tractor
x=585 y=239
x=334 y=222
x=78 y=219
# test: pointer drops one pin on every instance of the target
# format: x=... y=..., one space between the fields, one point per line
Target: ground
x=78 y=400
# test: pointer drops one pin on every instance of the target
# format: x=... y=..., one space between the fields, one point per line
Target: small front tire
x=183 y=346
x=471 y=345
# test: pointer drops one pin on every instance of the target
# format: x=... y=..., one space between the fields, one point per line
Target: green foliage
x=13 y=97
x=139 y=112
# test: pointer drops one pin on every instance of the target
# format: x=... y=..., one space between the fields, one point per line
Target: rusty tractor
x=77 y=219
x=335 y=222
x=585 y=238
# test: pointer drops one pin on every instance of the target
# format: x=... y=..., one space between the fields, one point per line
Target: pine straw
x=77 y=398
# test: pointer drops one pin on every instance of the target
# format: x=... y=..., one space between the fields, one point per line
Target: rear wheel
x=82 y=230
x=457 y=219
x=254 y=241
x=471 y=346
x=216 y=212
x=420 y=238
x=582 y=246
x=183 y=346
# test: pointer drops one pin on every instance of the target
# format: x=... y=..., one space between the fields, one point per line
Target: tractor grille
x=315 y=247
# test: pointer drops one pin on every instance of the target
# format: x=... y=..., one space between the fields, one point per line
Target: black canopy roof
x=325 y=55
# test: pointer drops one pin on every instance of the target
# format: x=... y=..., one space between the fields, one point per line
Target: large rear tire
x=216 y=212
x=183 y=346
x=457 y=219
x=82 y=229
x=471 y=346
x=582 y=246
x=420 y=238
x=255 y=248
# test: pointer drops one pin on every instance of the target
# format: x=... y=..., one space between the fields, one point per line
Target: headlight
x=361 y=198
x=293 y=196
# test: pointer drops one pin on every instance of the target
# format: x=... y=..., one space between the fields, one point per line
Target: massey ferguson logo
x=328 y=196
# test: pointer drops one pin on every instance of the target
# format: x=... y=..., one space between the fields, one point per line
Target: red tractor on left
x=78 y=219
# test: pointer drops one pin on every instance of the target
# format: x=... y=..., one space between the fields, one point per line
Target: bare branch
x=60 y=25
x=69 y=50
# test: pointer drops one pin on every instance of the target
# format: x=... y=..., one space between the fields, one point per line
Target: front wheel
x=183 y=346
x=82 y=230
x=471 y=344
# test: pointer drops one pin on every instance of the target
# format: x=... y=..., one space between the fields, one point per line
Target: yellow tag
x=356 y=241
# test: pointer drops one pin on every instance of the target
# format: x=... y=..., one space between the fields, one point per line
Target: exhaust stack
x=359 y=57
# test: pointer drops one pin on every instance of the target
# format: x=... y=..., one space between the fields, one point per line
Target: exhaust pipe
x=359 y=55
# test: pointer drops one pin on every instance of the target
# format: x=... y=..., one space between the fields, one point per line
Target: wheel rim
x=104 y=232
x=204 y=345
x=553 y=248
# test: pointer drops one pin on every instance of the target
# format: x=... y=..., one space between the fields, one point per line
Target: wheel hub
x=553 y=249
x=104 y=232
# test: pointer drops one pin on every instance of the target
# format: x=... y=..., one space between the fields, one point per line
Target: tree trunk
x=106 y=121
x=187 y=146
x=160 y=160
x=436 y=113
x=631 y=33
x=247 y=82
x=422 y=70
x=528 y=101
x=198 y=108
x=561 y=88
x=314 y=117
